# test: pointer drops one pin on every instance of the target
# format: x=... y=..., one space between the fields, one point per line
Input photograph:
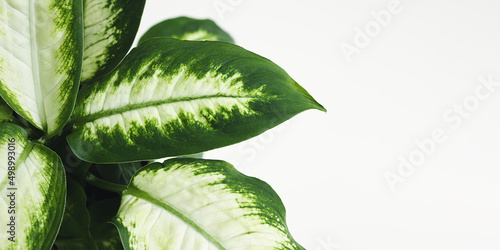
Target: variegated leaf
x=171 y=97
x=185 y=28
x=110 y=28
x=41 y=44
x=33 y=191
x=201 y=204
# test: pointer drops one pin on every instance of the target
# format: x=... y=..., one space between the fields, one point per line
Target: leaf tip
x=312 y=103
x=319 y=107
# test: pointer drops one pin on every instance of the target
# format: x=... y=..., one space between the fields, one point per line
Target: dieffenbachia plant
x=83 y=122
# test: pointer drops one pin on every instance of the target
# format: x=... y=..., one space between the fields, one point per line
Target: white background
x=330 y=169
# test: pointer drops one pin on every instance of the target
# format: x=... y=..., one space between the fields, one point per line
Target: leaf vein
x=120 y=110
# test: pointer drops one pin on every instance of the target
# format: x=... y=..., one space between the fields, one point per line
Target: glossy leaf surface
x=201 y=204
x=110 y=28
x=41 y=44
x=33 y=188
x=171 y=97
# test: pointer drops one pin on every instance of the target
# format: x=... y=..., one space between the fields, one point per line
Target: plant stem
x=102 y=184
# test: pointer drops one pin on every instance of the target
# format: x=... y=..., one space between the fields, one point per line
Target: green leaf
x=33 y=191
x=197 y=155
x=171 y=97
x=75 y=232
x=105 y=234
x=41 y=46
x=110 y=29
x=5 y=111
x=185 y=28
x=201 y=204
x=120 y=173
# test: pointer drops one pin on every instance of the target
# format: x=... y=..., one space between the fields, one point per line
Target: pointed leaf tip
x=41 y=45
x=170 y=97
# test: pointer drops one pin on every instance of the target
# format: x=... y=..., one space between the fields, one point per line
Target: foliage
x=83 y=122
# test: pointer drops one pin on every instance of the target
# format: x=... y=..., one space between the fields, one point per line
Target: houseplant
x=83 y=120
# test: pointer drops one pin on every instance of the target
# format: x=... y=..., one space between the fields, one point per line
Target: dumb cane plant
x=82 y=122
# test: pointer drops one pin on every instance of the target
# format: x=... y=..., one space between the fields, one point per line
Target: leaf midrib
x=35 y=67
x=130 y=107
x=134 y=191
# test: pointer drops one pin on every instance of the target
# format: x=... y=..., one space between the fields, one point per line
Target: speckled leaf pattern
x=110 y=28
x=41 y=44
x=171 y=97
x=186 y=28
x=201 y=204
x=33 y=194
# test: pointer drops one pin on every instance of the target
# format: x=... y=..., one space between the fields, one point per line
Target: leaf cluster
x=83 y=122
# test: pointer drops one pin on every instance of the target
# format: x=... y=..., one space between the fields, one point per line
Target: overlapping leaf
x=33 y=188
x=185 y=28
x=110 y=28
x=74 y=232
x=104 y=233
x=201 y=204
x=171 y=97
x=41 y=46
x=120 y=173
